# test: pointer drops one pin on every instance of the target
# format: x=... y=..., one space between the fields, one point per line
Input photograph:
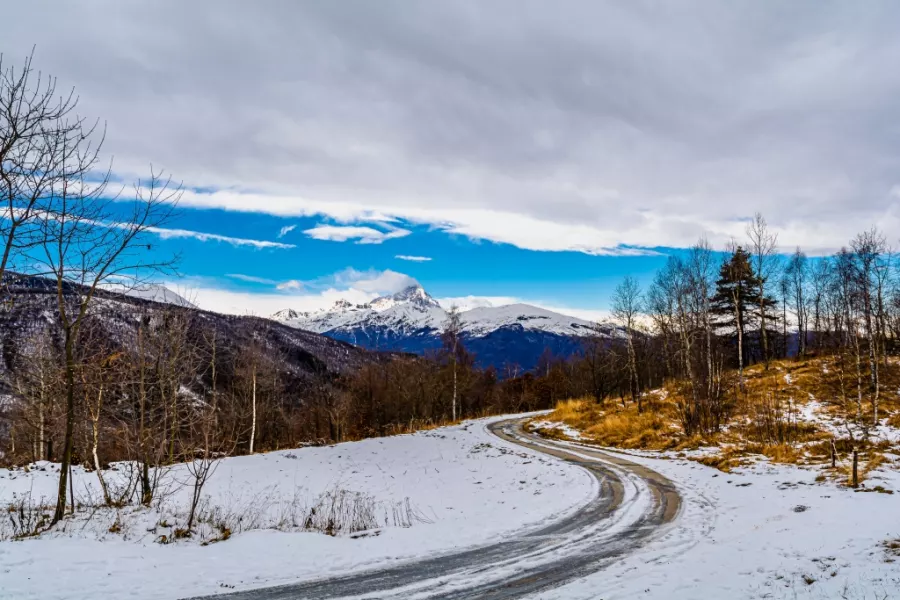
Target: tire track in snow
x=634 y=507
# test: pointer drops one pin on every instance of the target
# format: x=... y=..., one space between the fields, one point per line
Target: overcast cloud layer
x=548 y=125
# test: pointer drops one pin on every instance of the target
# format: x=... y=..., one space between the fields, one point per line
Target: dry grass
x=653 y=428
x=767 y=420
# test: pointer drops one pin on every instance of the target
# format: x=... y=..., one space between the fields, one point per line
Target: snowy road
x=633 y=507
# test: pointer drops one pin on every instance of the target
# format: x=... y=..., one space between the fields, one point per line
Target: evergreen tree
x=736 y=302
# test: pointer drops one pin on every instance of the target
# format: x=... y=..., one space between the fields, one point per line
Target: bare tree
x=763 y=244
x=86 y=245
x=36 y=383
x=202 y=461
x=796 y=274
x=869 y=248
x=42 y=143
x=451 y=335
x=626 y=306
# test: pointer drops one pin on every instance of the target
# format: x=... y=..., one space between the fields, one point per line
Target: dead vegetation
x=796 y=412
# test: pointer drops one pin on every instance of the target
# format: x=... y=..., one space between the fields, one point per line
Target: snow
x=762 y=531
x=413 y=309
x=562 y=428
x=157 y=293
x=483 y=320
x=467 y=486
x=767 y=531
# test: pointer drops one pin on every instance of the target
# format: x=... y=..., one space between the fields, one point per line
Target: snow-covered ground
x=767 y=531
x=763 y=531
x=465 y=486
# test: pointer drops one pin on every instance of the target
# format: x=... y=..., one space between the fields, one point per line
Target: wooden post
x=855 y=468
x=833 y=455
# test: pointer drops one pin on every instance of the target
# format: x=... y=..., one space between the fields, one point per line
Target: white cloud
x=413 y=258
x=286 y=230
x=595 y=127
x=362 y=234
x=350 y=284
x=370 y=281
x=166 y=234
x=235 y=302
x=291 y=284
x=470 y=302
x=251 y=278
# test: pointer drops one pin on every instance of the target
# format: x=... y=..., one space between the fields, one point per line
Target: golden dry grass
x=767 y=418
x=654 y=428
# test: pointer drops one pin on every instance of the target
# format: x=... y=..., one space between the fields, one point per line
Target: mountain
x=158 y=293
x=412 y=321
x=305 y=359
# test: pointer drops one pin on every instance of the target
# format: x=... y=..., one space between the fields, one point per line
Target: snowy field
x=766 y=531
x=463 y=487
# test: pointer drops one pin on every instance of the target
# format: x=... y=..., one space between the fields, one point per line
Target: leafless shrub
x=25 y=518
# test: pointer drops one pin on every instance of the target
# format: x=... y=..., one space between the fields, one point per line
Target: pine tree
x=737 y=302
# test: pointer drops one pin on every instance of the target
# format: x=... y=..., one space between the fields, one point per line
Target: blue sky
x=302 y=268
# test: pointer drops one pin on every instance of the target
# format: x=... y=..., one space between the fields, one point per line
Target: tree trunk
x=454 y=384
x=95 y=442
x=632 y=372
x=69 y=440
x=762 y=325
x=253 y=429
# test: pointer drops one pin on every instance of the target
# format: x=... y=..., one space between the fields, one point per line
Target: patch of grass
x=653 y=428
x=724 y=461
x=778 y=453
x=630 y=429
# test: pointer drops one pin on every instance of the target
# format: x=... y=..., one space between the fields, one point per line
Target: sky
x=493 y=152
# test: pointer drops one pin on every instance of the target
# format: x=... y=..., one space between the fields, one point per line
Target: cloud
x=594 y=127
x=413 y=258
x=209 y=296
x=362 y=234
x=251 y=278
x=286 y=230
x=355 y=286
x=166 y=234
x=291 y=284
x=369 y=281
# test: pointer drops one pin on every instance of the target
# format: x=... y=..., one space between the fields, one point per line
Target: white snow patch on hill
x=157 y=293
x=471 y=487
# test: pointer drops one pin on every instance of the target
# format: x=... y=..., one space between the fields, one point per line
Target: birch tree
x=763 y=244
x=626 y=306
x=451 y=339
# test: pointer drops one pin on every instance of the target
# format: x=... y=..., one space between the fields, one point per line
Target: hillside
x=792 y=413
x=304 y=357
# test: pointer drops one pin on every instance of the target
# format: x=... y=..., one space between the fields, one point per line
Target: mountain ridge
x=411 y=320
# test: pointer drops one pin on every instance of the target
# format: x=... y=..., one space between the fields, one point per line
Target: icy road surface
x=634 y=506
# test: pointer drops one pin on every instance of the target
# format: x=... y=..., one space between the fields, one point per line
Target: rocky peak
x=414 y=294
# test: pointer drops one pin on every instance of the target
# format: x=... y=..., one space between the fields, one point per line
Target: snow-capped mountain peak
x=414 y=294
x=288 y=314
x=412 y=321
x=414 y=309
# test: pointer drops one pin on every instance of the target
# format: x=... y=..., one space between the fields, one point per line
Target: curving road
x=633 y=507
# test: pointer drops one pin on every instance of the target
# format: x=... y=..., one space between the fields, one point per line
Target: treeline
x=704 y=319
